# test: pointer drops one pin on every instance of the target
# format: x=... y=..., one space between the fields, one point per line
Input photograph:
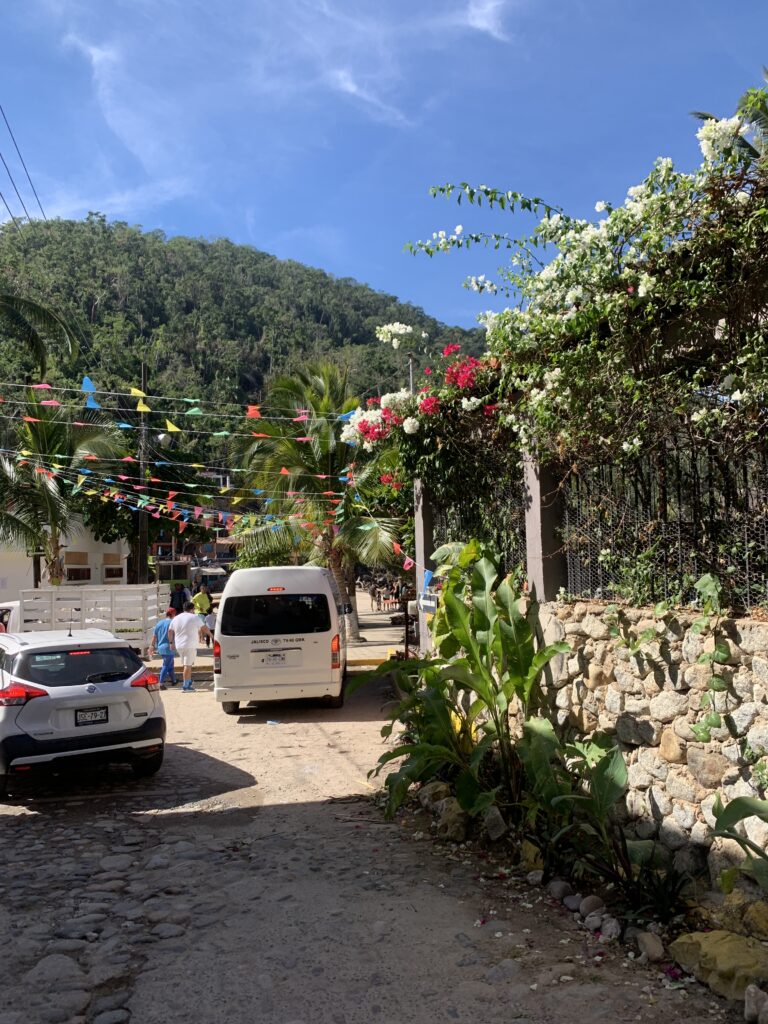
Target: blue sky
x=312 y=129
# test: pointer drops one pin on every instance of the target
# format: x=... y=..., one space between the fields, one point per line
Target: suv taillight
x=19 y=693
x=216 y=656
x=147 y=680
x=336 y=652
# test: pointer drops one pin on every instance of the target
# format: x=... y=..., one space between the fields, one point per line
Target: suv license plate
x=91 y=716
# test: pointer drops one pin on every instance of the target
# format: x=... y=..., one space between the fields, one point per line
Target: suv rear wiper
x=105 y=677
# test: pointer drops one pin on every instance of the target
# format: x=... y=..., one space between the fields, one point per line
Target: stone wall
x=649 y=702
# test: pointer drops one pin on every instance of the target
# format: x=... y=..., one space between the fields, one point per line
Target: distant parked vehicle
x=68 y=697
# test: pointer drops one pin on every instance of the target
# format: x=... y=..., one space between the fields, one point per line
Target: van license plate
x=274 y=658
x=91 y=716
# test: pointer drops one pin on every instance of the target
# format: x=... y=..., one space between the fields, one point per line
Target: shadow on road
x=187 y=775
x=363 y=705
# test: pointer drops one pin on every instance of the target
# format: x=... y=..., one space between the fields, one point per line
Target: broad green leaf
x=737 y=810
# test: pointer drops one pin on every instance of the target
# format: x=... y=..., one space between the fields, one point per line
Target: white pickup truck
x=129 y=611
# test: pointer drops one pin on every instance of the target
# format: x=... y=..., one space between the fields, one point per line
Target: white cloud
x=342 y=80
x=487 y=16
x=120 y=203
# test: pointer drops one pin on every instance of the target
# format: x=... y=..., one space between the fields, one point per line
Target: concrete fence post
x=545 y=559
x=424 y=532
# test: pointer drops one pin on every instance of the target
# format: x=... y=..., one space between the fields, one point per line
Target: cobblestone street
x=254 y=880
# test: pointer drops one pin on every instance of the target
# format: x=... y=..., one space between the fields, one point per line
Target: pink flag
x=408 y=563
x=197 y=511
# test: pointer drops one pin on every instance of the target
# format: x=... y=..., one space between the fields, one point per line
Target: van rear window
x=275 y=614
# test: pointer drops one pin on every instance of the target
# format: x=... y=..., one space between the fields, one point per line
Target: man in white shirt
x=184 y=635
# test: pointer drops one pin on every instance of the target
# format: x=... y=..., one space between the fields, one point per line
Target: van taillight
x=147 y=680
x=336 y=652
x=216 y=656
x=19 y=693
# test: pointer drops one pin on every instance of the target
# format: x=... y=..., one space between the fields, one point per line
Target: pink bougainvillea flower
x=450 y=349
x=372 y=402
x=430 y=405
x=386 y=478
x=489 y=410
x=427 y=371
x=463 y=374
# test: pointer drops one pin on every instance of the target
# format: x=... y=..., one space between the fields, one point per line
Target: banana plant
x=487 y=667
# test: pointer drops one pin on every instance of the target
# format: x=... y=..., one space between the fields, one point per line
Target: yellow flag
x=223 y=490
x=142 y=406
x=235 y=501
x=171 y=428
x=81 y=480
x=137 y=394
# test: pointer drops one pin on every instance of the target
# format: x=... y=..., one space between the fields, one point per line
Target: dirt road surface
x=253 y=880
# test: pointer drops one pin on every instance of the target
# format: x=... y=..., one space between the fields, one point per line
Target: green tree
x=38 y=489
x=321 y=513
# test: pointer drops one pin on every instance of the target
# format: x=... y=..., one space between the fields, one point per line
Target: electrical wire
x=23 y=164
x=10 y=212
x=15 y=188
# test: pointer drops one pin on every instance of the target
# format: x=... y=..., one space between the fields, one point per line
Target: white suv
x=82 y=695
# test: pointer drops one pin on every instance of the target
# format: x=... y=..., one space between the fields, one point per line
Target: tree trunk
x=52 y=559
x=335 y=564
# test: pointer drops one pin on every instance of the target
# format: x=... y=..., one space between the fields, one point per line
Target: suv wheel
x=146 y=766
x=231 y=707
x=3 y=786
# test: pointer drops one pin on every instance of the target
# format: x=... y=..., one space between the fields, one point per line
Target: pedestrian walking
x=210 y=622
x=179 y=597
x=184 y=635
x=202 y=601
x=161 y=645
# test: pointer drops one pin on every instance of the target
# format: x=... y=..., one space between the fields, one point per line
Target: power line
x=15 y=189
x=21 y=158
x=10 y=212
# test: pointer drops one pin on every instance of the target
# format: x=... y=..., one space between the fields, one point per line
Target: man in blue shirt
x=161 y=644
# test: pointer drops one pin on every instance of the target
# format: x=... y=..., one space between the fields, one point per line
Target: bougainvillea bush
x=640 y=329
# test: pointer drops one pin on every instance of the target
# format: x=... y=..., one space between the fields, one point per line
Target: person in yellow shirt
x=203 y=604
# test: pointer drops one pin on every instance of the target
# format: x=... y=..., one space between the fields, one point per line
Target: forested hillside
x=211 y=319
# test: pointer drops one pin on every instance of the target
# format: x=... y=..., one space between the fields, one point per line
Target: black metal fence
x=648 y=532
x=496 y=517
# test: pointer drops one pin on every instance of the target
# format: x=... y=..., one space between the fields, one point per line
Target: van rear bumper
x=284 y=691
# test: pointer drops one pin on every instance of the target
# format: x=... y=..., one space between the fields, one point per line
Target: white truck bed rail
x=129 y=611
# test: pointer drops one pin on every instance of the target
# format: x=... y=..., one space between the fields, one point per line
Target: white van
x=279 y=636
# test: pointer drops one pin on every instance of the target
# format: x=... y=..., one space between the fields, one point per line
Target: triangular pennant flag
x=128 y=458
x=284 y=472
x=136 y=393
x=41 y=387
x=182 y=527
x=30 y=419
x=142 y=406
x=303 y=439
x=220 y=433
x=259 y=435
x=197 y=511
x=171 y=428
x=91 y=403
x=81 y=478
x=408 y=563
x=193 y=412
x=87 y=387
x=301 y=419
x=253 y=413
x=50 y=401
x=396 y=548
x=125 y=426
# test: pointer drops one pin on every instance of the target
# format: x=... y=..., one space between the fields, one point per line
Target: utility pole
x=142 y=560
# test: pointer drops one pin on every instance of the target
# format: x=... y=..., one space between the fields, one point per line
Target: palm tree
x=320 y=515
x=38 y=486
x=34 y=325
x=752 y=108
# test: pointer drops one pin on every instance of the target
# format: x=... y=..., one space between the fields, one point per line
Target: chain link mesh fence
x=496 y=517
x=647 y=533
